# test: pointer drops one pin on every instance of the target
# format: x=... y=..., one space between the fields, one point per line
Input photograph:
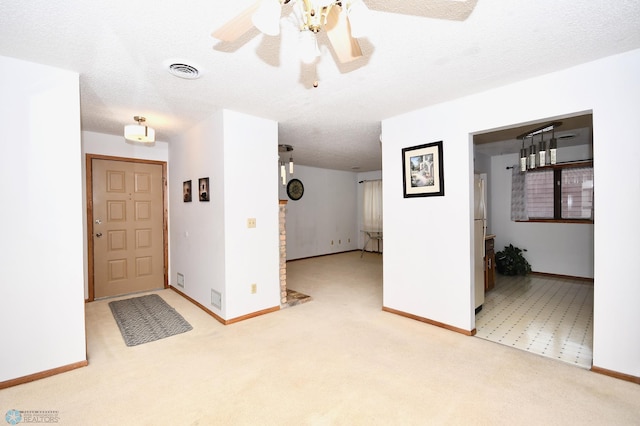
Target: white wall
x=250 y=191
x=554 y=248
x=42 y=312
x=196 y=232
x=428 y=241
x=114 y=146
x=210 y=242
x=326 y=213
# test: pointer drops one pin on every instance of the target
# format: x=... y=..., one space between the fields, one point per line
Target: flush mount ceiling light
x=139 y=132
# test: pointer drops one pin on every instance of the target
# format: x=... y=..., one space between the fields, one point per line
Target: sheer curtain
x=518 y=195
x=372 y=208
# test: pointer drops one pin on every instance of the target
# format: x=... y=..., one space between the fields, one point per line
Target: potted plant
x=511 y=261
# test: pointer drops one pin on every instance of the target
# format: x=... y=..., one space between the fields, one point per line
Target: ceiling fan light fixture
x=359 y=19
x=267 y=17
x=309 y=50
x=139 y=132
x=312 y=14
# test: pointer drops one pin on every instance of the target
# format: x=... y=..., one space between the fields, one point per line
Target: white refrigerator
x=479 y=233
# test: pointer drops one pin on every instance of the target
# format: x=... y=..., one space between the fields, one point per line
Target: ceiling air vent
x=184 y=71
x=567 y=136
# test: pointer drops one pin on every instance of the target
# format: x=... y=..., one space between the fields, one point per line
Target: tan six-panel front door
x=128 y=246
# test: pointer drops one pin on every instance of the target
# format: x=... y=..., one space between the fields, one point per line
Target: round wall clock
x=295 y=189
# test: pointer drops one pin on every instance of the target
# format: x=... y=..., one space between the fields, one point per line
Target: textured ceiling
x=425 y=56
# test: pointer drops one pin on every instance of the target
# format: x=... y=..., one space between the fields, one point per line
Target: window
x=372 y=205
x=539 y=191
x=577 y=193
x=559 y=193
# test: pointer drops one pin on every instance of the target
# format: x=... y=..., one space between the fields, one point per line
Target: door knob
x=99 y=234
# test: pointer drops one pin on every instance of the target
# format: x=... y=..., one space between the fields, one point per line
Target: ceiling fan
x=344 y=21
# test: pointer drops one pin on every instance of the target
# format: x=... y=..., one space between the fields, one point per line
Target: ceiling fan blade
x=236 y=27
x=346 y=47
x=453 y=10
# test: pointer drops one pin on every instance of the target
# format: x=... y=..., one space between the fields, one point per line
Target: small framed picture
x=423 y=170
x=203 y=189
x=186 y=191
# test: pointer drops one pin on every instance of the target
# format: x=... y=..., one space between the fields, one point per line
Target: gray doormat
x=146 y=319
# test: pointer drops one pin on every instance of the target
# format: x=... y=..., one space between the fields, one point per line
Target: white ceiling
x=121 y=49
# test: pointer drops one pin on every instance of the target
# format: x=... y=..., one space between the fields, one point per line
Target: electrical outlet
x=349 y=240
x=251 y=222
x=331 y=242
x=339 y=241
x=254 y=288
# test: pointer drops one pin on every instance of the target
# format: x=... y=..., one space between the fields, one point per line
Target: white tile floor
x=547 y=316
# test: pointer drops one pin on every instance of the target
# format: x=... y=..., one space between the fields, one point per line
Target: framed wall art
x=186 y=191
x=203 y=189
x=423 y=170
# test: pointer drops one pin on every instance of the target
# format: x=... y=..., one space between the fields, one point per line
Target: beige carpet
x=336 y=360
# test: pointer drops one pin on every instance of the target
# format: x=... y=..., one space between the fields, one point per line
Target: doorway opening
x=550 y=310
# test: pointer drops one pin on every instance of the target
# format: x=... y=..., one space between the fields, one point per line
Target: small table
x=371 y=235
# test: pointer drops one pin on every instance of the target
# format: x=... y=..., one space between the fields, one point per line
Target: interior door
x=127 y=224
